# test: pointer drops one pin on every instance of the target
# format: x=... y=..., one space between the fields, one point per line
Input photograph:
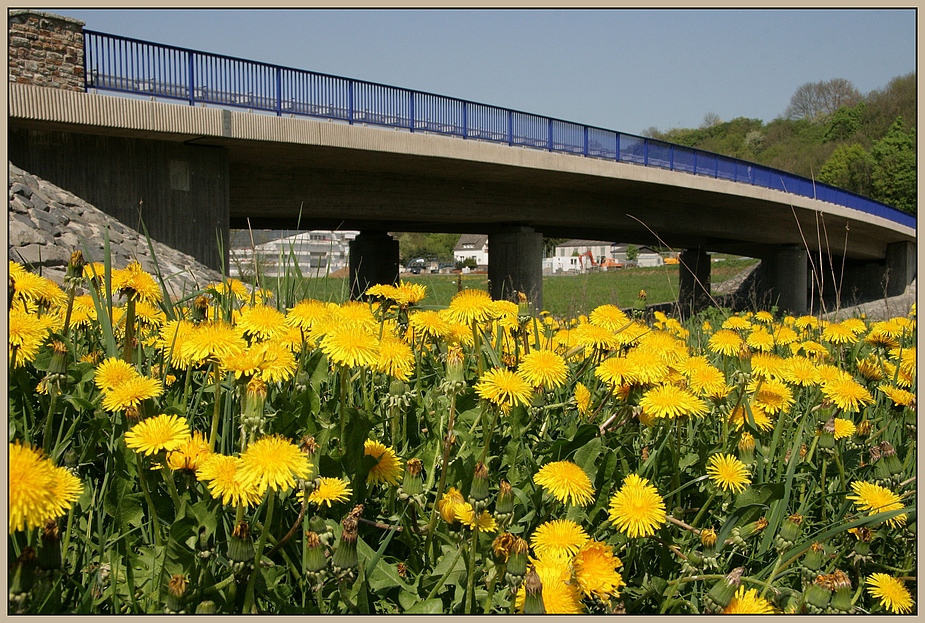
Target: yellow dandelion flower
x=211 y=341
x=728 y=473
x=900 y=397
x=469 y=306
x=747 y=601
x=351 y=346
x=594 y=337
x=37 y=490
x=760 y=340
x=277 y=363
x=328 y=490
x=162 y=432
x=36 y=289
x=645 y=368
x=844 y=428
x=468 y=517
x=892 y=593
x=838 y=333
x=306 y=313
x=543 y=368
x=231 y=286
x=725 y=342
x=668 y=401
x=190 y=453
x=558 y=538
x=26 y=334
x=596 y=570
x=771 y=395
x=395 y=358
x=637 y=509
x=448 y=503
x=707 y=380
x=273 y=462
x=113 y=372
x=768 y=365
x=877 y=499
x=132 y=393
x=388 y=466
x=847 y=393
x=609 y=317
x=225 y=482
x=428 y=324
x=800 y=371
x=582 y=399
x=739 y=416
x=504 y=388
x=567 y=482
x=736 y=323
x=261 y=321
x=560 y=594
x=615 y=371
x=133 y=282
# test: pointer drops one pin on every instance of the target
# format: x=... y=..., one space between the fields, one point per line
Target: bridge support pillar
x=515 y=264
x=900 y=267
x=786 y=278
x=693 y=281
x=373 y=260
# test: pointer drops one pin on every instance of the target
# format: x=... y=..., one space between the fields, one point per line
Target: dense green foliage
x=867 y=147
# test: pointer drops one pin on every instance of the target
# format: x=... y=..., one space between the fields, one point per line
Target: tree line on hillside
x=830 y=132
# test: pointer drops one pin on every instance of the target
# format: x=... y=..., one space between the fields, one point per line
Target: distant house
x=474 y=246
x=575 y=248
x=318 y=253
x=647 y=256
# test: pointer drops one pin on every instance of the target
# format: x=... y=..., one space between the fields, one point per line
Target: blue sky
x=625 y=70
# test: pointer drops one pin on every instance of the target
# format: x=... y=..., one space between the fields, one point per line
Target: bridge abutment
x=693 y=281
x=516 y=265
x=373 y=259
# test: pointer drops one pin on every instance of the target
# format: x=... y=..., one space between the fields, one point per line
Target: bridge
x=265 y=146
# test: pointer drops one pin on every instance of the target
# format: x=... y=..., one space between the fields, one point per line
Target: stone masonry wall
x=46 y=50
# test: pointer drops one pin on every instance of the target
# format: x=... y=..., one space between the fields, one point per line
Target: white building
x=318 y=253
x=473 y=246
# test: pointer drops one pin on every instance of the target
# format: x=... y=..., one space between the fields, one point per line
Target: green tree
x=632 y=252
x=849 y=167
x=844 y=122
x=894 y=175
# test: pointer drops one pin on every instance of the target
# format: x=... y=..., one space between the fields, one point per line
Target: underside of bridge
x=191 y=189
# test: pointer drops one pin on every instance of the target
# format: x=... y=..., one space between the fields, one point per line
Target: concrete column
x=373 y=260
x=900 y=266
x=787 y=279
x=694 y=281
x=515 y=264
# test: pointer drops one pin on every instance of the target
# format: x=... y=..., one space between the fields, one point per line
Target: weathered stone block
x=44 y=255
x=22 y=234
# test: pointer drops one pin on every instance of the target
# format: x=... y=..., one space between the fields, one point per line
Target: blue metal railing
x=128 y=65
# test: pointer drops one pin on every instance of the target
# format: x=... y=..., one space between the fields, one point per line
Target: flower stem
x=261 y=542
x=128 y=350
x=144 y=489
x=216 y=411
x=470 y=582
x=446 y=459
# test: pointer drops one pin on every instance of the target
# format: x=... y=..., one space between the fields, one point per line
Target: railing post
x=192 y=81
x=645 y=151
x=586 y=140
x=510 y=128
x=412 y=111
x=350 y=102
x=549 y=136
x=617 y=152
x=465 y=121
x=279 y=92
x=695 y=162
x=671 y=157
x=716 y=168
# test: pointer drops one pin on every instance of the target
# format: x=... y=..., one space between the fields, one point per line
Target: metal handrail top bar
x=897 y=215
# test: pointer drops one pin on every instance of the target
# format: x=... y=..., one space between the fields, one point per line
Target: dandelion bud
x=881 y=467
x=723 y=591
x=517 y=562
x=455 y=371
x=50 y=551
x=504 y=504
x=841 y=599
x=345 y=556
x=863 y=429
x=24 y=572
x=816 y=597
x=533 y=587
x=864 y=536
x=447 y=504
x=502 y=545
x=176 y=588
x=200 y=309
x=813 y=560
x=206 y=607
x=789 y=531
x=708 y=540
x=888 y=454
x=75 y=268
x=827 y=435
x=478 y=492
x=309 y=447
x=413 y=482
x=241 y=543
x=57 y=368
x=747 y=448
x=315 y=561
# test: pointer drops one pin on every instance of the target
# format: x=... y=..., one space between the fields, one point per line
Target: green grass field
x=563 y=295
